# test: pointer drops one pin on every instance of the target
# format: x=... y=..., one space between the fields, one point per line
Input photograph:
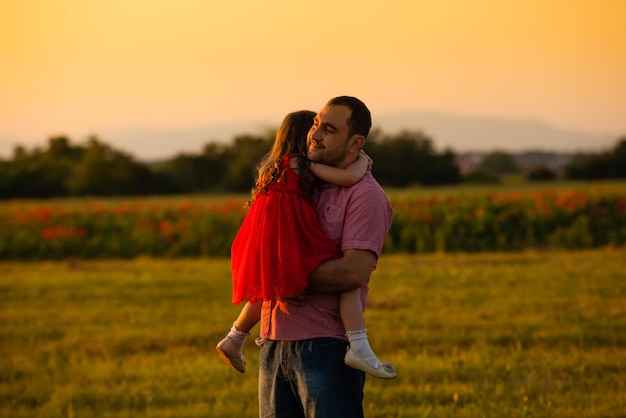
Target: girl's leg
x=249 y=316
x=351 y=310
x=230 y=348
x=360 y=354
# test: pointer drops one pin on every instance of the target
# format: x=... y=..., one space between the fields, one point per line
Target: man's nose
x=314 y=133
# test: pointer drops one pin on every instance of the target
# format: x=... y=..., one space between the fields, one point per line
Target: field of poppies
x=464 y=220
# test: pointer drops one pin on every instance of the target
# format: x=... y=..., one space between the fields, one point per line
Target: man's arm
x=349 y=272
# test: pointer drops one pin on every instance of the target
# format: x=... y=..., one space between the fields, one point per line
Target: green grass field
x=532 y=334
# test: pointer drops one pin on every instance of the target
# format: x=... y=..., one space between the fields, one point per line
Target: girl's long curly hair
x=290 y=139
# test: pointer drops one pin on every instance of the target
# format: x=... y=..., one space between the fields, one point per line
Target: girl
x=281 y=242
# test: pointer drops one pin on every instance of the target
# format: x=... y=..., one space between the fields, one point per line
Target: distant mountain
x=474 y=134
x=149 y=144
x=155 y=144
x=460 y=133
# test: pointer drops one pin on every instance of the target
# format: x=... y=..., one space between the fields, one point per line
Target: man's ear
x=356 y=143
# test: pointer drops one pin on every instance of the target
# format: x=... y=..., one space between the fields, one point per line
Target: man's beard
x=322 y=157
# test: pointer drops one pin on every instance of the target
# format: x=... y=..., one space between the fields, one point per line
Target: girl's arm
x=345 y=177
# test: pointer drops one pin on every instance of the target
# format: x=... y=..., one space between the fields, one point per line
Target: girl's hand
x=370 y=162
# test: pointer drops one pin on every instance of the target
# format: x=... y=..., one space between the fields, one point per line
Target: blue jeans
x=308 y=379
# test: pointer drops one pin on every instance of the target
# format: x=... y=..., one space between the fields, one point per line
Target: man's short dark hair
x=360 y=121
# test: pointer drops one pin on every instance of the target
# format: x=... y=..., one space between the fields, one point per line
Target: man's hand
x=297 y=300
x=337 y=275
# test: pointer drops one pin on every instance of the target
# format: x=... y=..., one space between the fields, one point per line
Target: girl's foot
x=378 y=369
x=231 y=354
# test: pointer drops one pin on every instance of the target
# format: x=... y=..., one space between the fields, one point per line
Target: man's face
x=328 y=137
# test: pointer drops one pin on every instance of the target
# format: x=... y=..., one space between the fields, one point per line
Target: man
x=302 y=371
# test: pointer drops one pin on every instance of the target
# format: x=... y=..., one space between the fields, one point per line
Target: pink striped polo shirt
x=357 y=217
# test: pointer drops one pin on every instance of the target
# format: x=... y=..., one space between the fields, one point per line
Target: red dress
x=279 y=244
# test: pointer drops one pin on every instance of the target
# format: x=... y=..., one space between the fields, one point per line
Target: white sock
x=237 y=338
x=361 y=346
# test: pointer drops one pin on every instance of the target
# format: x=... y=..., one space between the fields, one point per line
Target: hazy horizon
x=461 y=133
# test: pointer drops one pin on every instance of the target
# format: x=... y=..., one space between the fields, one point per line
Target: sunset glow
x=75 y=66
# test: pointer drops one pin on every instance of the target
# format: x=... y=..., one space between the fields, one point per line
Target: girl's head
x=290 y=139
x=291 y=136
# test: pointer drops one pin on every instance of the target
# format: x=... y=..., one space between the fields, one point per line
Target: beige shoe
x=384 y=371
x=231 y=356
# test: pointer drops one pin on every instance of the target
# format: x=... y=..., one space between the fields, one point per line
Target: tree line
x=609 y=164
x=95 y=168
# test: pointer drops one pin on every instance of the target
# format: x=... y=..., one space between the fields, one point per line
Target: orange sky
x=76 y=66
